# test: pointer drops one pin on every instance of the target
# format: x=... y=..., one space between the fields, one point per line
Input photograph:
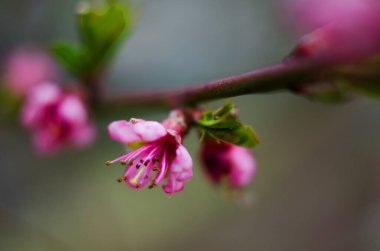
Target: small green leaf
x=102 y=30
x=70 y=58
x=223 y=125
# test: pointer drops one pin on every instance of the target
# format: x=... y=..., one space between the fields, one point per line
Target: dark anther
x=121 y=178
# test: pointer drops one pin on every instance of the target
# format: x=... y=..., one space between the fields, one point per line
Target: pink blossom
x=223 y=160
x=348 y=28
x=26 y=68
x=160 y=155
x=56 y=119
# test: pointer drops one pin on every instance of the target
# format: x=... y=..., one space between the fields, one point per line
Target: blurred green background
x=318 y=183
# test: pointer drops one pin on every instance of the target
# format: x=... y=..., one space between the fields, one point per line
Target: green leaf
x=70 y=58
x=223 y=125
x=102 y=30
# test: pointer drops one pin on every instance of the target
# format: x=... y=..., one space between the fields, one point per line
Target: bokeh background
x=318 y=184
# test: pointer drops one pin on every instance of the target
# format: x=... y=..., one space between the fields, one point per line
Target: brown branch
x=282 y=76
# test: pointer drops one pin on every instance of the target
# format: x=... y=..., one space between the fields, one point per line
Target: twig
x=282 y=76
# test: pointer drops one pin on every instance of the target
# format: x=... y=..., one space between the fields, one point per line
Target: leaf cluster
x=101 y=32
x=224 y=125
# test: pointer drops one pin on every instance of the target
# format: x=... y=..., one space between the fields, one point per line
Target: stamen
x=108 y=163
x=163 y=169
x=121 y=179
x=133 y=154
x=138 y=185
x=123 y=162
x=152 y=185
x=155 y=159
x=130 y=163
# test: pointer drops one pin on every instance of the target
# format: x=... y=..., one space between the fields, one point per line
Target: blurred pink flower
x=26 y=68
x=222 y=160
x=347 y=28
x=57 y=119
x=160 y=155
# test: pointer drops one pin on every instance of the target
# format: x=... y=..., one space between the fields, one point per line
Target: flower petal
x=123 y=132
x=138 y=177
x=83 y=135
x=73 y=110
x=149 y=130
x=243 y=166
x=182 y=165
x=34 y=109
x=173 y=185
x=45 y=143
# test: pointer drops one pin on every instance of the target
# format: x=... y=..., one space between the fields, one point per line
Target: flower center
x=148 y=163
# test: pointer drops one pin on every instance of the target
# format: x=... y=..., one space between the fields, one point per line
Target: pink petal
x=138 y=178
x=83 y=135
x=243 y=166
x=182 y=165
x=173 y=186
x=27 y=68
x=45 y=93
x=73 y=110
x=45 y=143
x=34 y=109
x=30 y=115
x=123 y=132
x=149 y=130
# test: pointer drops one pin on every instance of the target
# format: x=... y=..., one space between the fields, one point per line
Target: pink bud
x=176 y=121
x=57 y=119
x=226 y=161
x=348 y=28
x=26 y=68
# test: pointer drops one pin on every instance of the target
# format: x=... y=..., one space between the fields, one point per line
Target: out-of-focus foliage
x=325 y=91
x=101 y=31
x=342 y=83
x=362 y=77
x=9 y=103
